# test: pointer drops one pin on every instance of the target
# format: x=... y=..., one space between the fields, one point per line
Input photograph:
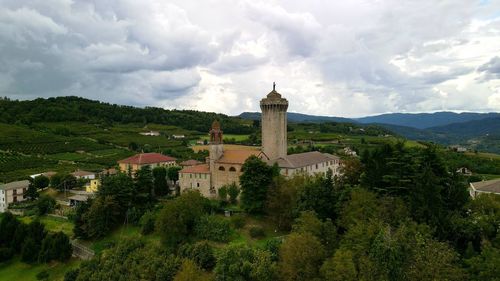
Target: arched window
x=232 y=169
x=221 y=168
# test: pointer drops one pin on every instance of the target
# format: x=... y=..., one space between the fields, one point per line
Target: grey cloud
x=491 y=68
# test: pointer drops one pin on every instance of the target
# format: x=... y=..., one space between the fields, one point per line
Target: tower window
x=221 y=168
x=232 y=169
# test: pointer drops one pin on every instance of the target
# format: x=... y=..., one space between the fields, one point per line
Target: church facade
x=223 y=167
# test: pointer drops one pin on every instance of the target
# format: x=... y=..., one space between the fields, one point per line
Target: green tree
x=189 y=271
x=340 y=267
x=160 y=181
x=484 y=267
x=255 y=181
x=29 y=251
x=239 y=262
x=177 y=218
x=200 y=252
x=173 y=173
x=222 y=193
x=144 y=186
x=301 y=256
x=56 y=180
x=41 y=182
x=121 y=188
x=102 y=216
x=213 y=228
x=233 y=191
x=45 y=204
x=32 y=192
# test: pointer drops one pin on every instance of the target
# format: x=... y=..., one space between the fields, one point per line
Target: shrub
x=147 y=223
x=200 y=252
x=257 y=232
x=6 y=254
x=42 y=275
x=238 y=221
x=45 y=204
x=213 y=228
x=71 y=275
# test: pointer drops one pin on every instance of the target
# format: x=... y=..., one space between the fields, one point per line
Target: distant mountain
x=300 y=118
x=483 y=127
x=425 y=120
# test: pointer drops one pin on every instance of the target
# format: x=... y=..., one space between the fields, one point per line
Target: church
x=223 y=167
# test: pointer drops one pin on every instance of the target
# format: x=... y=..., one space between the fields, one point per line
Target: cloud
x=335 y=58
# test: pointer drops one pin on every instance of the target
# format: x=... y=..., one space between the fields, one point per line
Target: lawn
x=20 y=271
x=53 y=224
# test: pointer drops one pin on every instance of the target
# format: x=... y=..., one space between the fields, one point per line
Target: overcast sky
x=340 y=58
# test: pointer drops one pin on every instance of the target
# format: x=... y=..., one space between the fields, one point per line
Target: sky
x=338 y=58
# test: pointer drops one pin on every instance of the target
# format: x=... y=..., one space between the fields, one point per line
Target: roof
x=197 y=169
x=492 y=186
x=147 y=158
x=305 y=159
x=190 y=162
x=15 y=185
x=81 y=173
x=237 y=156
x=110 y=171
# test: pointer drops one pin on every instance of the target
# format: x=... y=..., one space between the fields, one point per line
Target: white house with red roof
x=136 y=162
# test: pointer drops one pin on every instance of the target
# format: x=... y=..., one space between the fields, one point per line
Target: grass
x=197 y=148
x=20 y=271
x=53 y=224
x=229 y=136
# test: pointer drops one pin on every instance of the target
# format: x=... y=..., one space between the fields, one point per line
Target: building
x=150 y=133
x=223 y=166
x=490 y=186
x=46 y=174
x=93 y=186
x=136 y=162
x=190 y=162
x=464 y=171
x=11 y=193
x=80 y=174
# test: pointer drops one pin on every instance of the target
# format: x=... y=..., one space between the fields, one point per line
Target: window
x=190 y=176
x=221 y=168
x=232 y=169
x=197 y=184
x=316 y=166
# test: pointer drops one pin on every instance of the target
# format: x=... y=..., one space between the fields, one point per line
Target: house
x=464 y=171
x=349 y=151
x=11 y=193
x=77 y=199
x=178 y=136
x=190 y=162
x=489 y=186
x=108 y=172
x=313 y=162
x=196 y=177
x=150 y=133
x=80 y=174
x=458 y=148
x=93 y=186
x=136 y=162
x=46 y=174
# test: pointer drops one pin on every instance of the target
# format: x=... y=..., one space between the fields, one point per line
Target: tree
x=484 y=267
x=32 y=192
x=340 y=267
x=29 y=252
x=319 y=196
x=233 y=191
x=67 y=182
x=213 y=228
x=177 y=218
x=144 y=186
x=41 y=182
x=240 y=262
x=189 y=271
x=173 y=173
x=301 y=256
x=160 y=181
x=45 y=204
x=102 y=216
x=222 y=193
x=121 y=188
x=201 y=253
x=281 y=203
x=55 y=247
x=56 y=180
x=255 y=181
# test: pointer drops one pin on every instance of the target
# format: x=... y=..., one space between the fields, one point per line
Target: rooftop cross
x=274 y=86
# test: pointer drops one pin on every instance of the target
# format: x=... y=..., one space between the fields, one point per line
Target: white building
x=490 y=186
x=11 y=193
x=79 y=174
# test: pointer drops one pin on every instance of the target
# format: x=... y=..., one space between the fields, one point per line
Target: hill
x=487 y=126
x=425 y=120
x=299 y=118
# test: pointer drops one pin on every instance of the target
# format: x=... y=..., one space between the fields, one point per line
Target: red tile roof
x=237 y=156
x=147 y=158
x=190 y=162
x=197 y=169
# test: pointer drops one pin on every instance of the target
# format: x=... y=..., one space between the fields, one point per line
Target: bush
x=71 y=275
x=45 y=204
x=42 y=275
x=147 y=223
x=201 y=253
x=6 y=254
x=238 y=221
x=257 y=232
x=213 y=228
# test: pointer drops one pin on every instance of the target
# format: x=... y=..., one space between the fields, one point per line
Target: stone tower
x=216 y=146
x=274 y=141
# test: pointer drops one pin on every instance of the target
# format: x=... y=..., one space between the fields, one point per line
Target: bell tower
x=274 y=139
x=216 y=146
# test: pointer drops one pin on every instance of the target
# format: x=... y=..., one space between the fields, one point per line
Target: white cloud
x=344 y=58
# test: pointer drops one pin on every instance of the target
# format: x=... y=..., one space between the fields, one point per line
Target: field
x=20 y=271
x=197 y=148
x=53 y=224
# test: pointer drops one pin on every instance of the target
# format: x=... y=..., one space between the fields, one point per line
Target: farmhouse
x=11 y=193
x=223 y=166
x=150 y=133
x=80 y=174
x=136 y=162
x=490 y=186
